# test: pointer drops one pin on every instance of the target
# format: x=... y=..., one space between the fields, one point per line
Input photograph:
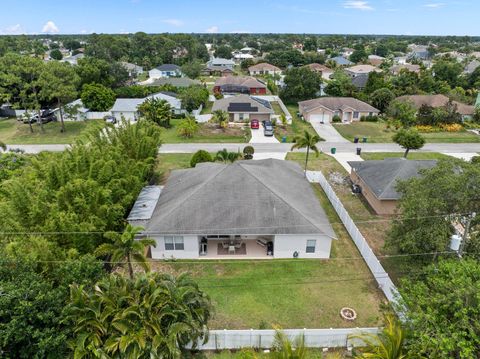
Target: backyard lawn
x=15 y=132
x=297 y=127
x=166 y=162
x=207 y=133
x=411 y=155
x=378 y=133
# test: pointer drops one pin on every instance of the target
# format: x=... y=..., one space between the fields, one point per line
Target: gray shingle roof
x=168 y=67
x=246 y=197
x=255 y=105
x=381 y=176
x=342 y=61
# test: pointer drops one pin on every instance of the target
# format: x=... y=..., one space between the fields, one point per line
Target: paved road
x=282 y=147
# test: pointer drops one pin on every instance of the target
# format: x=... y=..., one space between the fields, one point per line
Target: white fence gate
x=381 y=276
x=263 y=339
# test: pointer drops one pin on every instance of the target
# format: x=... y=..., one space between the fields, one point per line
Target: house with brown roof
x=361 y=70
x=438 y=101
x=395 y=70
x=323 y=109
x=264 y=68
x=244 y=108
x=375 y=60
x=325 y=71
x=240 y=84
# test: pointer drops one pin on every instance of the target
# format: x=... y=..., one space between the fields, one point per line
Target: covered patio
x=237 y=247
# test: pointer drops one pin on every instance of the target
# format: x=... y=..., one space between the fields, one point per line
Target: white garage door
x=320 y=118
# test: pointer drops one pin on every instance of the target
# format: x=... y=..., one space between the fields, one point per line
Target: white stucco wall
x=191 y=248
x=155 y=74
x=129 y=116
x=285 y=245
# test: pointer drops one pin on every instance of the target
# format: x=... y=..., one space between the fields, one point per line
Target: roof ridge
x=394 y=177
x=281 y=198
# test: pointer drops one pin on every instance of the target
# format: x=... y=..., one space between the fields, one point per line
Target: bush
x=336 y=118
x=476 y=160
x=248 y=152
x=454 y=127
x=370 y=118
x=200 y=156
x=187 y=128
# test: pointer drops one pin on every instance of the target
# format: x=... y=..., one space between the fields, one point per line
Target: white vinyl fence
x=263 y=339
x=381 y=276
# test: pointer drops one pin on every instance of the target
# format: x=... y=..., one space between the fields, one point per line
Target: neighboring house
x=174 y=81
x=78 y=107
x=240 y=84
x=341 y=61
x=347 y=52
x=378 y=179
x=375 y=60
x=361 y=70
x=240 y=56
x=243 y=210
x=73 y=60
x=438 y=101
x=395 y=70
x=217 y=71
x=459 y=56
x=400 y=60
x=419 y=52
x=165 y=70
x=264 y=69
x=244 y=108
x=323 y=109
x=223 y=63
x=472 y=66
x=476 y=54
x=128 y=107
x=132 y=69
x=360 y=82
x=325 y=71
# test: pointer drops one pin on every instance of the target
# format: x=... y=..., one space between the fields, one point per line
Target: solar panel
x=242 y=107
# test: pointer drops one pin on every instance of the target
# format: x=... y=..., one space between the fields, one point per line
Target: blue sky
x=407 y=17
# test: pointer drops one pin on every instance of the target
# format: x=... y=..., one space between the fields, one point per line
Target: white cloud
x=359 y=5
x=50 y=28
x=173 y=22
x=212 y=30
x=434 y=5
x=16 y=29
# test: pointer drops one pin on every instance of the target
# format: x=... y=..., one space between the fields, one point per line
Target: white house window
x=355 y=114
x=240 y=116
x=174 y=243
x=311 y=243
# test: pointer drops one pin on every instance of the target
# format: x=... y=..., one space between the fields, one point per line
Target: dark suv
x=46 y=116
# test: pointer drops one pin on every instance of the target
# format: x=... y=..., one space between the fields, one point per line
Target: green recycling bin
x=333 y=150
x=284 y=139
x=364 y=140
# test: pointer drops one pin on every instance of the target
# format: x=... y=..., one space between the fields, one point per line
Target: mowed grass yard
x=291 y=293
x=411 y=155
x=297 y=127
x=377 y=132
x=207 y=133
x=15 y=132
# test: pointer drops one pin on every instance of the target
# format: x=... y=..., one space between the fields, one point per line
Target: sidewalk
x=344 y=157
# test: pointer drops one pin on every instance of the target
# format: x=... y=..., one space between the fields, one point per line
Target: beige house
x=264 y=69
x=325 y=71
x=244 y=108
x=378 y=179
x=361 y=70
x=323 y=109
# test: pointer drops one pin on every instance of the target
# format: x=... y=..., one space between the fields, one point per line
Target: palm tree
x=284 y=348
x=309 y=141
x=389 y=344
x=126 y=248
x=225 y=156
x=221 y=118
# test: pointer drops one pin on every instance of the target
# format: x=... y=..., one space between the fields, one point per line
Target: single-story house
x=375 y=60
x=133 y=70
x=471 y=66
x=219 y=62
x=323 y=109
x=174 y=81
x=401 y=60
x=240 y=84
x=77 y=109
x=325 y=71
x=73 y=60
x=240 y=56
x=434 y=101
x=128 y=107
x=361 y=70
x=165 y=70
x=244 y=107
x=217 y=71
x=360 y=81
x=395 y=70
x=264 y=69
x=419 y=52
x=377 y=179
x=341 y=61
x=243 y=210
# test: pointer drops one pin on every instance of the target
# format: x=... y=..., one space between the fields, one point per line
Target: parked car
x=46 y=116
x=254 y=125
x=110 y=119
x=268 y=130
x=267 y=123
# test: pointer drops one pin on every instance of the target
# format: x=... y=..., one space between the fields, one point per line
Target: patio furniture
x=231 y=250
x=238 y=245
x=262 y=242
x=225 y=245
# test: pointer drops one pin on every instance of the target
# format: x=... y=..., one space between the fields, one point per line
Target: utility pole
x=465 y=233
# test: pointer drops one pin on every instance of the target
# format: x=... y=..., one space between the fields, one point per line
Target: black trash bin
x=355 y=140
x=364 y=140
x=359 y=151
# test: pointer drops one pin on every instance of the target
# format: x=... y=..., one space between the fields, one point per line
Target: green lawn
x=378 y=133
x=166 y=162
x=15 y=132
x=276 y=108
x=207 y=133
x=207 y=108
x=411 y=155
x=297 y=127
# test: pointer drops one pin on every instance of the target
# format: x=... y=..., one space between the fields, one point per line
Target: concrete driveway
x=259 y=137
x=327 y=132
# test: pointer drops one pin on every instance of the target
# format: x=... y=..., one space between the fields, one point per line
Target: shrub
x=453 y=127
x=336 y=118
x=362 y=118
x=476 y=160
x=200 y=156
x=370 y=118
x=248 y=152
x=426 y=128
x=187 y=128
